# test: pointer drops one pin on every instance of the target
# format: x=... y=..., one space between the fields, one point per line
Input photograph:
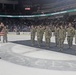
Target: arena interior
x=22 y=53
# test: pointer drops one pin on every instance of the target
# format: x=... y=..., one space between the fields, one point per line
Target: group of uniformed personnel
x=60 y=33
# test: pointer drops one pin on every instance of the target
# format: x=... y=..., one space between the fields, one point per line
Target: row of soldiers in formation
x=59 y=32
x=3 y=32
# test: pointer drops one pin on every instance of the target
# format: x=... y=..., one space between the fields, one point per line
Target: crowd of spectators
x=22 y=25
x=15 y=24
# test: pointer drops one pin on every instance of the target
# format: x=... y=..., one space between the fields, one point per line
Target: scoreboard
x=28 y=8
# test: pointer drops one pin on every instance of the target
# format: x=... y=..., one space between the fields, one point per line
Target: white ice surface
x=41 y=53
x=7 y=68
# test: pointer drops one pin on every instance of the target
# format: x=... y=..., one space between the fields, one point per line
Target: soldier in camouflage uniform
x=42 y=33
x=64 y=27
x=75 y=36
x=61 y=35
x=33 y=32
x=52 y=28
x=56 y=31
x=39 y=35
x=70 y=35
x=48 y=35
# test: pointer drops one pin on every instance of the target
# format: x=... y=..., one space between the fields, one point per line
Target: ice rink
x=18 y=57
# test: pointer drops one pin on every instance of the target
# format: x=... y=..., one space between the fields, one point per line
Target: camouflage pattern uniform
x=75 y=36
x=64 y=34
x=70 y=35
x=48 y=34
x=42 y=33
x=33 y=32
x=39 y=36
x=61 y=36
x=56 y=31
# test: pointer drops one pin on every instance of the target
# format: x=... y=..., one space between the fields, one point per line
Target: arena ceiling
x=42 y=5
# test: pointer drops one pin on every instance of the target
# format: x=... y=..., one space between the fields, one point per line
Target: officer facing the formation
x=33 y=32
x=5 y=31
x=70 y=35
x=56 y=30
x=48 y=35
x=61 y=35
